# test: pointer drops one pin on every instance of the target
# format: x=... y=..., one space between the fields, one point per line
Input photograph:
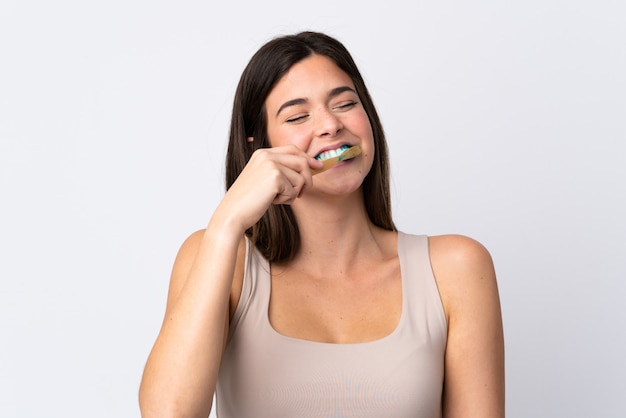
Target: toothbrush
x=331 y=162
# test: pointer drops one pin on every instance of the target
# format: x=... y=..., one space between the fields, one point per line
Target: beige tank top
x=268 y=375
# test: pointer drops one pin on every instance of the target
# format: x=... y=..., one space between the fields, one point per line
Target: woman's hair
x=276 y=234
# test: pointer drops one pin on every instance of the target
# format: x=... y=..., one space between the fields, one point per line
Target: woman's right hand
x=272 y=176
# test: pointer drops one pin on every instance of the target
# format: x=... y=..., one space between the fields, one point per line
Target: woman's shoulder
x=191 y=244
x=453 y=248
x=463 y=269
x=460 y=250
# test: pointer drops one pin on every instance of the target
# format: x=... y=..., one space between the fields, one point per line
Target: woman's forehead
x=314 y=76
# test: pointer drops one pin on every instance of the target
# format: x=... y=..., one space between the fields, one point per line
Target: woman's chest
x=336 y=308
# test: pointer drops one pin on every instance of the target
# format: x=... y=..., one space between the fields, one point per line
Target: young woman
x=300 y=298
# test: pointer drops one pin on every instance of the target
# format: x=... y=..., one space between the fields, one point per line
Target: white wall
x=505 y=122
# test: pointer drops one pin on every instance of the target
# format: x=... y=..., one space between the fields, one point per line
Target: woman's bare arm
x=474 y=362
x=181 y=372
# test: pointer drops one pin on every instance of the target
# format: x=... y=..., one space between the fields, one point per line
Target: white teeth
x=331 y=153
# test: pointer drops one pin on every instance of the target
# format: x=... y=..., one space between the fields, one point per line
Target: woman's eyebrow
x=338 y=90
x=288 y=103
x=294 y=102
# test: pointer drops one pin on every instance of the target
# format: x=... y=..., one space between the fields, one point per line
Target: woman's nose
x=328 y=124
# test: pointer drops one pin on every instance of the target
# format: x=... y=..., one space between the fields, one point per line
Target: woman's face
x=315 y=107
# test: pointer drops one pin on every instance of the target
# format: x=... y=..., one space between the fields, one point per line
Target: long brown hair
x=276 y=234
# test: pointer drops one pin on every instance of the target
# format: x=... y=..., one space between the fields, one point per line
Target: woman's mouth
x=331 y=153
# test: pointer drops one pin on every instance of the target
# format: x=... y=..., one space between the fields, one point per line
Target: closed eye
x=346 y=105
x=297 y=118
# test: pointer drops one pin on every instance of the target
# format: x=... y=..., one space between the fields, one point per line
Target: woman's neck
x=337 y=231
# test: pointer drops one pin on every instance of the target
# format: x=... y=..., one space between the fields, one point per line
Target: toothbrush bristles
x=331 y=162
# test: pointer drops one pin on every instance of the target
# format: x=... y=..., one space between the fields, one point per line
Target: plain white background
x=506 y=122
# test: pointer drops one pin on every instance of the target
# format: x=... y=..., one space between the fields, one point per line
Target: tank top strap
x=255 y=290
x=419 y=287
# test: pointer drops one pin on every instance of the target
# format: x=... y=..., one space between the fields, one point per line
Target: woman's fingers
x=294 y=164
x=291 y=184
x=272 y=176
x=295 y=170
